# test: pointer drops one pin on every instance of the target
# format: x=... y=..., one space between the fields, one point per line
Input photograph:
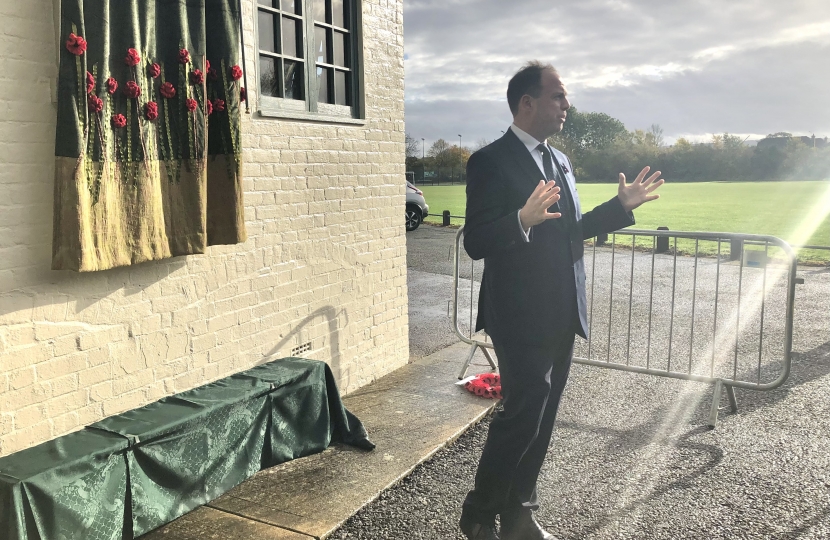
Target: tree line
x=442 y=159
x=600 y=147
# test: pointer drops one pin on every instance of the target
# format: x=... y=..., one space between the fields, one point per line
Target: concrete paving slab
x=210 y=524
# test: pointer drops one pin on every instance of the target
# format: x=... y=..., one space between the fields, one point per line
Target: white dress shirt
x=533 y=147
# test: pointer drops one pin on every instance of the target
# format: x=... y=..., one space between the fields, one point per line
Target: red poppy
x=112 y=85
x=197 y=77
x=207 y=64
x=184 y=56
x=118 y=121
x=209 y=105
x=236 y=73
x=90 y=82
x=154 y=70
x=132 y=90
x=168 y=90
x=213 y=74
x=76 y=45
x=95 y=103
x=191 y=104
x=151 y=110
x=218 y=105
x=243 y=94
x=132 y=58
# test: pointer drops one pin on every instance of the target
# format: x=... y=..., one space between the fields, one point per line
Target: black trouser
x=532 y=379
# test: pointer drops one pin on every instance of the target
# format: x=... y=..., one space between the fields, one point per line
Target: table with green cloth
x=131 y=473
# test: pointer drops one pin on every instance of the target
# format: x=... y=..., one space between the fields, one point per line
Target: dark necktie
x=566 y=206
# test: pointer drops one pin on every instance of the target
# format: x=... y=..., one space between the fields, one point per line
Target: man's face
x=550 y=108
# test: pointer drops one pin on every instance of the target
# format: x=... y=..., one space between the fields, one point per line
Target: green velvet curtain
x=133 y=472
x=147 y=146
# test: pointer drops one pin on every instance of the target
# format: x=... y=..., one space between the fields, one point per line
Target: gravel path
x=632 y=457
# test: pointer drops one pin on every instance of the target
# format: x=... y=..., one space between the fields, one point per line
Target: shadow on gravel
x=819 y=517
x=633 y=439
x=806 y=367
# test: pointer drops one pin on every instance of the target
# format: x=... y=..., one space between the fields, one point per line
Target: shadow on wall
x=44 y=295
x=331 y=316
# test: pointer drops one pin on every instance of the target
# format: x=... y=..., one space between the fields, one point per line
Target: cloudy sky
x=695 y=67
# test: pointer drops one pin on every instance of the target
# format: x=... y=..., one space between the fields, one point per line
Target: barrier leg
x=713 y=413
x=489 y=358
x=733 y=401
x=464 y=369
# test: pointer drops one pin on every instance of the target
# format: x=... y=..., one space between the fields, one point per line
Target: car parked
x=416 y=207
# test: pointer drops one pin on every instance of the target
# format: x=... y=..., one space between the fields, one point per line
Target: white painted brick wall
x=325 y=260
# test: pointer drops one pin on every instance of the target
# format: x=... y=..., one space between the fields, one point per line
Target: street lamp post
x=423 y=165
x=460 y=156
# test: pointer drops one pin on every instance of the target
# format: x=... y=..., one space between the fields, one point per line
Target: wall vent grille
x=300 y=349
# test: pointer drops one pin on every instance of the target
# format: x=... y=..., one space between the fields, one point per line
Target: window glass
x=291 y=6
x=320 y=10
x=323 y=84
x=293 y=80
x=266 y=31
x=337 y=13
x=268 y=82
x=321 y=45
x=340 y=88
x=339 y=47
x=291 y=30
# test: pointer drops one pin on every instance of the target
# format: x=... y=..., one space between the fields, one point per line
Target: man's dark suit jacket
x=533 y=292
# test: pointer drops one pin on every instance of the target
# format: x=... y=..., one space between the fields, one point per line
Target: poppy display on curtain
x=147 y=150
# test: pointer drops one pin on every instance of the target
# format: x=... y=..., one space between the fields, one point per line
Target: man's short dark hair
x=527 y=80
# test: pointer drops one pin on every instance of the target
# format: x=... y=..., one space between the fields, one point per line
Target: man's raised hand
x=640 y=190
x=535 y=210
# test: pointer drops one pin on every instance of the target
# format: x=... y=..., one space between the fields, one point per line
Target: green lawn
x=794 y=211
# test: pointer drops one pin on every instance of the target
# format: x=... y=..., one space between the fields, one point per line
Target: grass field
x=797 y=212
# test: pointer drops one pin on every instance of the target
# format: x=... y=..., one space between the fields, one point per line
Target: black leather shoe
x=523 y=527
x=477 y=531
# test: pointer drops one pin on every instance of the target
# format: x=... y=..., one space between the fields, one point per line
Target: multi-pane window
x=332 y=41
x=281 y=44
x=308 y=53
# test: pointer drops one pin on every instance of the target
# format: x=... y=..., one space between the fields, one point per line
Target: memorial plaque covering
x=147 y=150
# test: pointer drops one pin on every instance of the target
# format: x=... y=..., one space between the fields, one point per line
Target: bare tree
x=412 y=147
x=656 y=133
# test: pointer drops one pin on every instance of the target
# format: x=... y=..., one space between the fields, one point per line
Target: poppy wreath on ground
x=486 y=385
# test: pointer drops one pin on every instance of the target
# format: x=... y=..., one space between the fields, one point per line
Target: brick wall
x=325 y=261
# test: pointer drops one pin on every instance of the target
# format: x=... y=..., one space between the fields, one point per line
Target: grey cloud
x=762 y=91
x=461 y=53
x=474 y=120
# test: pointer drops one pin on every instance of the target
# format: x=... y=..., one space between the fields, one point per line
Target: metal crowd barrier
x=683 y=311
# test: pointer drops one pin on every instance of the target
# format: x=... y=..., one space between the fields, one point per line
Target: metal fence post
x=446 y=218
x=662 y=241
x=736 y=248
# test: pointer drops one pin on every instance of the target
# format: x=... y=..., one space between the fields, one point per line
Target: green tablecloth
x=71 y=487
x=136 y=471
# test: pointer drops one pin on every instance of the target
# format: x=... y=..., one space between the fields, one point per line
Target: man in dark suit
x=525 y=221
